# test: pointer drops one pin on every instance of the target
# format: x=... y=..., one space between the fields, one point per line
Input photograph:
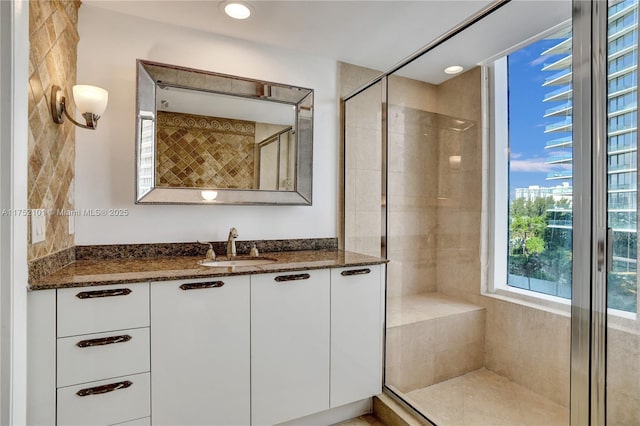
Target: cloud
x=515 y=155
x=539 y=60
x=536 y=165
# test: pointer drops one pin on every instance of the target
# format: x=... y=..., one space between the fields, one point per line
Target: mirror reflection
x=211 y=136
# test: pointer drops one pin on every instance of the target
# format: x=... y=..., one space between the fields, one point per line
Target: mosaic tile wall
x=53 y=40
x=197 y=151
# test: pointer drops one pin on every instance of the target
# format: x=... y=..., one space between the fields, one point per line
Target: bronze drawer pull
x=104 y=388
x=197 y=286
x=103 y=293
x=103 y=341
x=295 y=277
x=355 y=272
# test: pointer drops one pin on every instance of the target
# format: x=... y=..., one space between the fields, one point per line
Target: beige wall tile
x=623 y=363
x=622 y=409
x=53 y=39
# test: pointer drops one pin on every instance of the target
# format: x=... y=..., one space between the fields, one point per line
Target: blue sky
x=526 y=116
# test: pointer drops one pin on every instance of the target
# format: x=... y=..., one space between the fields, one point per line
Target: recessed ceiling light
x=453 y=69
x=236 y=9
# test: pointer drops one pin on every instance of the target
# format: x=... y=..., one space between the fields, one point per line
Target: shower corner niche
x=210 y=138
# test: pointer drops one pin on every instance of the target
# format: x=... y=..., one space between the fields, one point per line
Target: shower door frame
x=590 y=243
x=591 y=250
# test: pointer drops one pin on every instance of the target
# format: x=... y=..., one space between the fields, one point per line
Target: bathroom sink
x=254 y=261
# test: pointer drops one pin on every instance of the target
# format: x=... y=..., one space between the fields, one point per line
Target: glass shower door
x=497 y=195
x=623 y=324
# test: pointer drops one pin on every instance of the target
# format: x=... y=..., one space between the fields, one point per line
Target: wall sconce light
x=91 y=101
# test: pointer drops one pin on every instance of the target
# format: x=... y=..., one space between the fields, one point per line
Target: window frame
x=496 y=199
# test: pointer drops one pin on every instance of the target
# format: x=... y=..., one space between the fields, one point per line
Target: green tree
x=537 y=250
x=526 y=241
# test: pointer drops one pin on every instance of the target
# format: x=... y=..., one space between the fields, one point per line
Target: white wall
x=109 y=45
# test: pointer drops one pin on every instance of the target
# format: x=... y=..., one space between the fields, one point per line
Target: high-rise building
x=622 y=131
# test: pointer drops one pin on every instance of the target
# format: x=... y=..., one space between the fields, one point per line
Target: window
x=533 y=107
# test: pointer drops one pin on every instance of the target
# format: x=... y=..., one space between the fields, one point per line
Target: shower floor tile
x=483 y=398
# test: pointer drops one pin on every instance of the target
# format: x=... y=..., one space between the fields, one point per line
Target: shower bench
x=432 y=337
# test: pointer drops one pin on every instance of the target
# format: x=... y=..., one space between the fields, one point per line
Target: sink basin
x=254 y=261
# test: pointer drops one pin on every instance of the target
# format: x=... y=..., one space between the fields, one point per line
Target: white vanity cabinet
x=103 y=355
x=356 y=333
x=258 y=349
x=290 y=322
x=200 y=352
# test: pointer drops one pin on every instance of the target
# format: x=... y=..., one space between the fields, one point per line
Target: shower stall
x=483 y=325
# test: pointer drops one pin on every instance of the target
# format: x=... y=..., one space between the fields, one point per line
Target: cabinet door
x=356 y=334
x=289 y=345
x=200 y=352
x=41 y=357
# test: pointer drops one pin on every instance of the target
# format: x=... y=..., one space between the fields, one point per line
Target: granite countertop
x=120 y=271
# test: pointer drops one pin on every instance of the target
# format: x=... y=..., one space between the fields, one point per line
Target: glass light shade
x=90 y=99
x=209 y=195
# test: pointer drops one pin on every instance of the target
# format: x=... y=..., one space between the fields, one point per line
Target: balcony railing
x=622 y=186
x=563 y=92
x=622 y=206
x=622 y=168
x=563 y=223
x=616 y=110
x=560 y=142
x=560 y=158
x=563 y=76
x=567 y=106
x=560 y=125
x=562 y=63
x=563 y=47
x=565 y=191
x=623 y=6
x=617 y=70
x=563 y=174
x=614 y=149
x=559 y=208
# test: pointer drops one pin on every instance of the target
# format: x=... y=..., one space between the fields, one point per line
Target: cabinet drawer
x=100 y=356
x=105 y=402
x=97 y=309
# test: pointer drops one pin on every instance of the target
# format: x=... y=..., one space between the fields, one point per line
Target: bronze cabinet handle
x=294 y=277
x=198 y=286
x=103 y=293
x=104 y=388
x=103 y=341
x=355 y=272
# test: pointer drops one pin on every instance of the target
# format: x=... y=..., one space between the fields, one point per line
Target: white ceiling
x=374 y=34
x=496 y=34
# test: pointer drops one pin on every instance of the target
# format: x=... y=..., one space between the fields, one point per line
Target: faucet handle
x=211 y=255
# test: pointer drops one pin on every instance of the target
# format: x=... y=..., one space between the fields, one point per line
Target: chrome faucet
x=231 y=243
